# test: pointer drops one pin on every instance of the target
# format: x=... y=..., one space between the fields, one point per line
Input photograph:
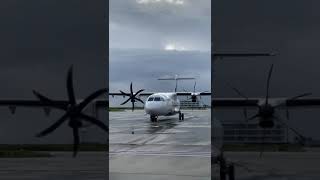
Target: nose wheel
x=181 y=116
x=153 y=118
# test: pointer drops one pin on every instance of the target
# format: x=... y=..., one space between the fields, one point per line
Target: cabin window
x=150 y=99
x=161 y=98
x=157 y=99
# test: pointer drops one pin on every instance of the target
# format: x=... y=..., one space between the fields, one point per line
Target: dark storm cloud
x=39 y=40
x=287 y=27
x=153 y=25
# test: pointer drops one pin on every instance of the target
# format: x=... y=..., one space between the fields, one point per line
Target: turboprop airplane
x=160 y=103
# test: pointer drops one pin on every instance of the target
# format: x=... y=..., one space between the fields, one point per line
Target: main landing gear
x=226 y=169
x=181 y=116
x=153 y=118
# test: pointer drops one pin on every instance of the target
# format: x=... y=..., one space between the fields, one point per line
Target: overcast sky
x=152 y=38
x=157 y=24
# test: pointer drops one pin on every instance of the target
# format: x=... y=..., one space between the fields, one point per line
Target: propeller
x=73 y=112
x=266 y=110
x=195 y=94
x=132 y=96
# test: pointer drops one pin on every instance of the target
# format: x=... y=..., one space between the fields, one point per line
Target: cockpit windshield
x=157 y=98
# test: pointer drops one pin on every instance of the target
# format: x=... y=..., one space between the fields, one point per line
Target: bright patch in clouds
x=175 y=2
x=174 y=47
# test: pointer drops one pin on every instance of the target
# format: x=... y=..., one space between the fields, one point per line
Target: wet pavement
x=168 y=149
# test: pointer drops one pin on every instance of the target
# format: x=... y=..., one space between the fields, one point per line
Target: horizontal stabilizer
x=179 y=78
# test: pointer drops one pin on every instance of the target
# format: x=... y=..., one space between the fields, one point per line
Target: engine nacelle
x=194 y=97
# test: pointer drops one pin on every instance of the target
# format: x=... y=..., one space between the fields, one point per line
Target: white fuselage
x=162 y=104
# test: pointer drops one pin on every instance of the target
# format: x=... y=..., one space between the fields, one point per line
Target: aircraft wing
x=252 y=102
x=178 y=93
x=30 y=103
x=13 y=104
x=180 y=78
x=221 y=55
x=234 y=102
x=304 y=102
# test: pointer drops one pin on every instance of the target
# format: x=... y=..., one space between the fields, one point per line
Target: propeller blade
x=70 y=89
x=123 y=93
x=301 y=95
x=95 y=121
x=292 y=129
x=54 y=126
x=268 y=83
x=131 y=91
x=47 y=100
x=292 y=98
x=125 y=101
x=139 y=100
x=90 y=98
x=253 y=117
x=240 y=93
x=194 y=86
x=41 y=97
x=139 y=92
x=76 y=141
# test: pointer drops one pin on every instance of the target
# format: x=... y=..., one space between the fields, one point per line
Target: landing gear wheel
x=153 y=118
x=181 y=116
x=226 y=169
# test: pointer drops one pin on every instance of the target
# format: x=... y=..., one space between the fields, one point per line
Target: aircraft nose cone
x=153 y=108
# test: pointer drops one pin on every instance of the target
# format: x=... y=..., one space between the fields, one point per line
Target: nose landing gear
x=181 y=116
x=153 y=118
x=226 y=168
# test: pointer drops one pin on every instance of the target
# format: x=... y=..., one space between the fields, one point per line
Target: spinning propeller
x=73 y=112
x=266 y=109
x=132 y=96
x=266 y=112
x=195 y=94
